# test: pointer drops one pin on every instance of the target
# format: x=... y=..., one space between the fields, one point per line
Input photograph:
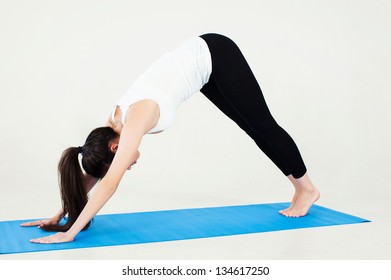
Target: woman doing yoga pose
x=210 y=63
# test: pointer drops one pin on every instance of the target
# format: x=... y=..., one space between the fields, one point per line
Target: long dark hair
x=96 y=159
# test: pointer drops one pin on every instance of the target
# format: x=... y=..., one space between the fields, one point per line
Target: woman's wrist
x=70 y=236
x=58 y=216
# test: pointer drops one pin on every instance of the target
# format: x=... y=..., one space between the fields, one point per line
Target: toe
x=283 y=212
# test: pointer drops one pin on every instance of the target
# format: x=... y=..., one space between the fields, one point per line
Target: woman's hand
x=40 y=223
x=59 y=237
x=52 y=221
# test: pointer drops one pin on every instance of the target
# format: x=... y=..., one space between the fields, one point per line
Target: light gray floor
x=324 y=68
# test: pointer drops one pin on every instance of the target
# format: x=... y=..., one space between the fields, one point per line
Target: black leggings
x=233 y=88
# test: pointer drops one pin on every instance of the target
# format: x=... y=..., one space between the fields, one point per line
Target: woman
x=212 y=64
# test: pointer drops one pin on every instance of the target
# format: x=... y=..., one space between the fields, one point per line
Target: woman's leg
x=234 y=89
x=211 y=91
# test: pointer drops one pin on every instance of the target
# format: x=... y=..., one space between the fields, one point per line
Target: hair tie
x=80 y=149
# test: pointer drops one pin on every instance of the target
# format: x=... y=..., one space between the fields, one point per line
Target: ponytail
x=72 y=187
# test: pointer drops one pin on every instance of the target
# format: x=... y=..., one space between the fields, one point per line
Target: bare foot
x=305 y=195
x=291 y=205
x=301 y=203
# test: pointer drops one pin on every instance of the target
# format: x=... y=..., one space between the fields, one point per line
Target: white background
x=324 y=67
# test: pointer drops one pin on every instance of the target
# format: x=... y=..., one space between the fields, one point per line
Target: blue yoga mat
x=170 y=225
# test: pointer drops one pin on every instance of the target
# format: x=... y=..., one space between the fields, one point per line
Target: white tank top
x=171 y=80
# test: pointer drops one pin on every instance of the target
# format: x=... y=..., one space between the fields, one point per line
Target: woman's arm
x=141 y=117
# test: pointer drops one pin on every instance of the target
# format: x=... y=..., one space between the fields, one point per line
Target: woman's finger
x=33 y=223
x=41 y=240
x=59 y=237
